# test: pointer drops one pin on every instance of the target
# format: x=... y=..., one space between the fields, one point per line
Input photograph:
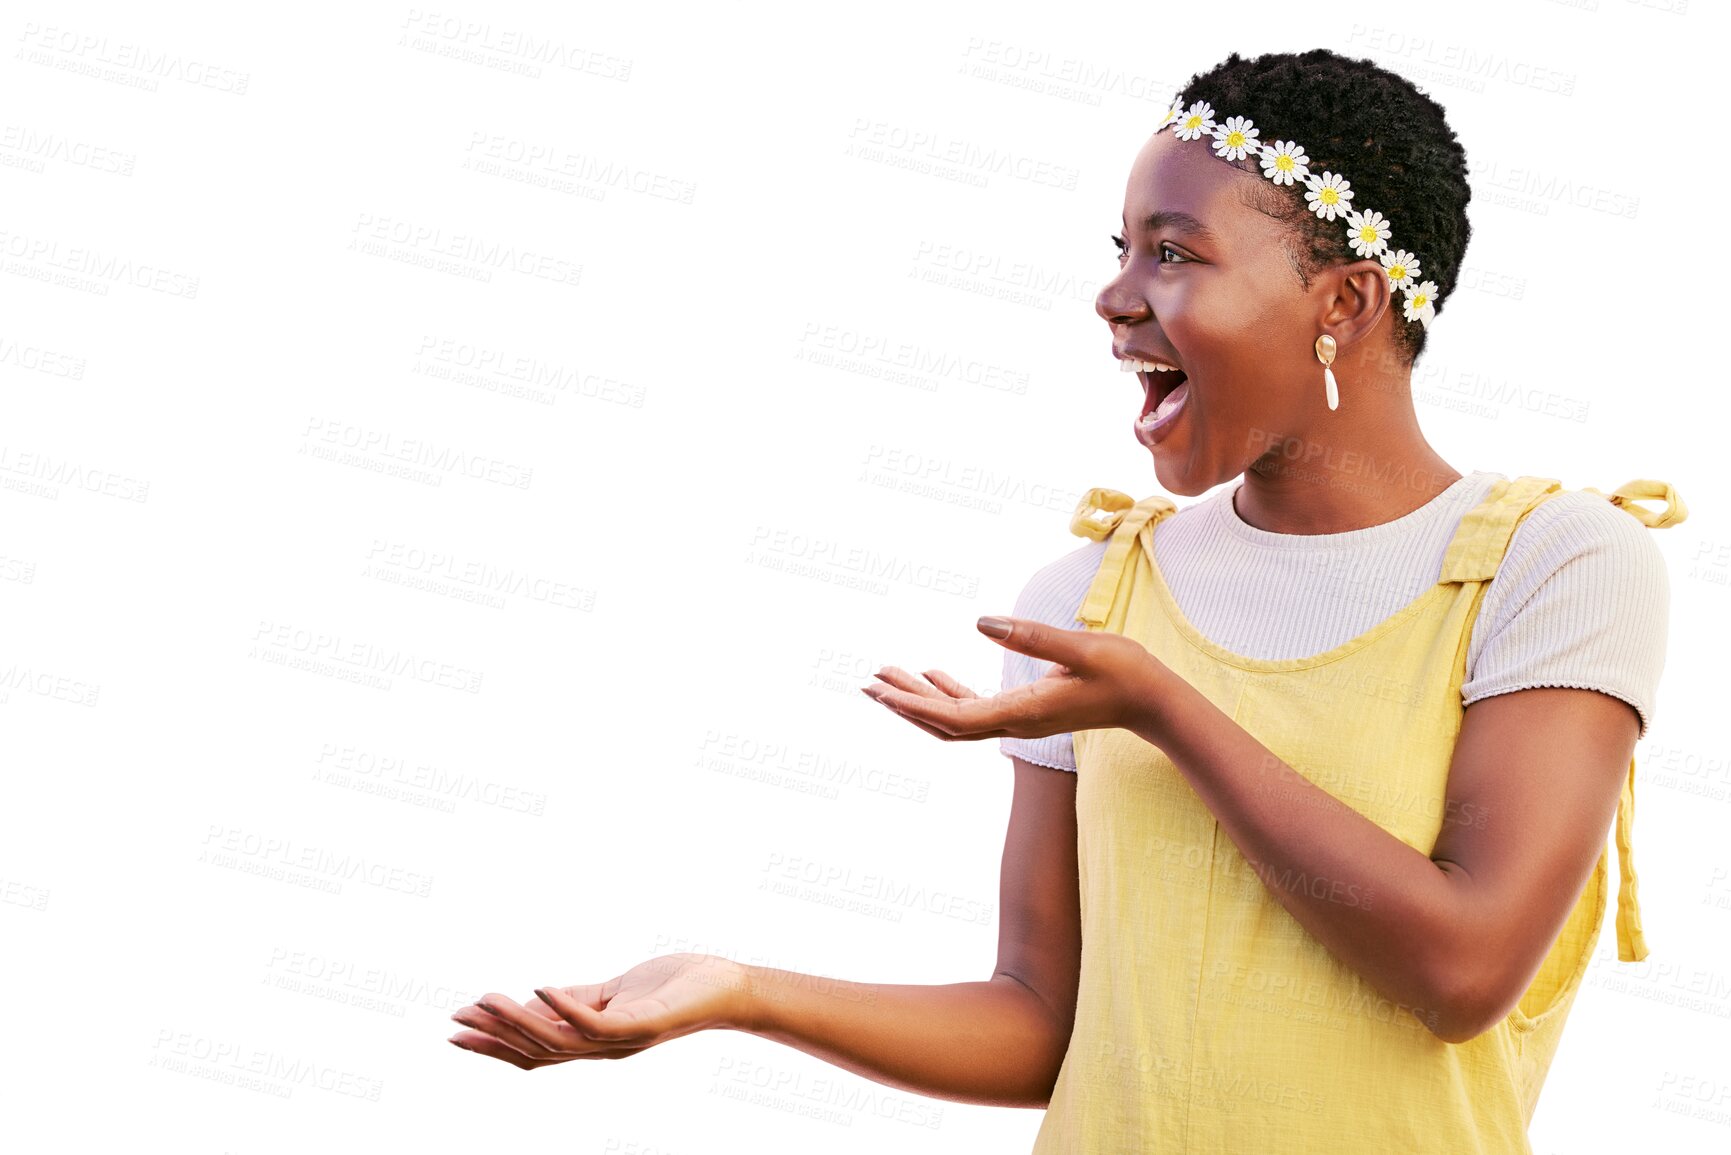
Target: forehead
x=1173 y=175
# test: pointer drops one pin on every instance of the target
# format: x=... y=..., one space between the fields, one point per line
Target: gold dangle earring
x=1325 y=354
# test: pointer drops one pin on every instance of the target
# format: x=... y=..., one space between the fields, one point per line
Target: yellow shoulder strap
x=1631 y=942
x=1108 y=512
x=1483 y=535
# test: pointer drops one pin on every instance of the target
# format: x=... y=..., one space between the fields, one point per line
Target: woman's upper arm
x=1532 y=791
x=1561 y=692
x=1039 y=896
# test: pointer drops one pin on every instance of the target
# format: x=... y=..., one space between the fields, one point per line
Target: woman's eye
x=1123 y=248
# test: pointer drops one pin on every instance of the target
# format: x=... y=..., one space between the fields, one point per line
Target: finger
x=535 y=1036
x=590 y=995
x=927 y=727
x=1026 y=636
x=949 y=685
x=555 y=1034
x=596 y=1024
x=902 y=680
x=879 y=693
x=953 y=717
x=496 y=1031
x=485 y=1044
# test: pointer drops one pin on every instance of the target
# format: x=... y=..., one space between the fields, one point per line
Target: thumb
x=1026 y=636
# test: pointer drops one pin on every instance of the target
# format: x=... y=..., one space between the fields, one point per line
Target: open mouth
x=1157 y=386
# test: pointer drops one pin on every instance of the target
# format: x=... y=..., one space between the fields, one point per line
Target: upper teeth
x=1127 y=366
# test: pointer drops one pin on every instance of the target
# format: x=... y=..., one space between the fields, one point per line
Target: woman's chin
x=1171 y=473
x=1175 y=478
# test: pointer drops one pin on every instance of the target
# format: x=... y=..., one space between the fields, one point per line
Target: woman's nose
x=1118 y=304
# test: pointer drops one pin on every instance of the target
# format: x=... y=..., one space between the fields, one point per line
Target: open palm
x=659 y=999
x=1097 y=680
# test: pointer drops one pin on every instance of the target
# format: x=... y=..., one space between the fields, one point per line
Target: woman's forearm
x=1372 y=900
x=994 y=1043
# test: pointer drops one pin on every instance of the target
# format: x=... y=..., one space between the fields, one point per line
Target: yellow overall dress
x=1209 y=1021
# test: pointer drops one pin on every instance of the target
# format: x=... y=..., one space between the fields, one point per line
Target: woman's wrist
x=749 y=1012
x=736 y=1006
x=1154 y=699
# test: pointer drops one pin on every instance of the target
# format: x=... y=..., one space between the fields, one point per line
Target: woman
x=1296 y=895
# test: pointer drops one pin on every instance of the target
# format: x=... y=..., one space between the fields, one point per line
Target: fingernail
x=455 y=1043
x=541 y=993
x=994 y=627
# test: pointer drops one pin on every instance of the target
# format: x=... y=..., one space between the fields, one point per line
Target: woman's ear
x=1361 y=297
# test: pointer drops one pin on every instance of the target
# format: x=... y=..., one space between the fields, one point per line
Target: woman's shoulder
x=1055 y=590
x=1581 y=598
x=1578 y=548
x=1577 y=526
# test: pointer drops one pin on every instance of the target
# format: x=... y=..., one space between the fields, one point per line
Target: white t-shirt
x=1581 y=598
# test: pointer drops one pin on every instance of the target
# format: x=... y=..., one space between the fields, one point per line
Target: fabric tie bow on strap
x=1626 y=494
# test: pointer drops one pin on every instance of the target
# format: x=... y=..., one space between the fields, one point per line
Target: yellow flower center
x=1367 y=235
x=1283 y=162
x=1235 y=140
x=1419 y=300
x=1329 y=196
x=1193 y=122
x=1397 y=272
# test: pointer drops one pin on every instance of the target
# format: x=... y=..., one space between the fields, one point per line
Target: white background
x=231 y=317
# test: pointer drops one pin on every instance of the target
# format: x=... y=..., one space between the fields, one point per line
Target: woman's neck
x=1340 y=492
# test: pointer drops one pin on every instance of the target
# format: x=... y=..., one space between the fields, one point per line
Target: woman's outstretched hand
x=660 y=999
x=1098 y=680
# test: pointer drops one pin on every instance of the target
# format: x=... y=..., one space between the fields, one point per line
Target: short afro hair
x=1376 y=129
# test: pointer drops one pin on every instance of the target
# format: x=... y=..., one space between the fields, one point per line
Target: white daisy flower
x=1421 y=303
x=1195 y=121
x=1329 y=194
x=1402 y=267
x=1172 y=113
x=1235 y=138
x=1285 y=162
x=1367 y=233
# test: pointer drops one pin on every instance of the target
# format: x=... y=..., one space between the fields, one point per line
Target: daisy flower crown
x=1329 y=195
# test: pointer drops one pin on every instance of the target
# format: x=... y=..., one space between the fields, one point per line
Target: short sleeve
x=1052 y=596
x=1581 y=600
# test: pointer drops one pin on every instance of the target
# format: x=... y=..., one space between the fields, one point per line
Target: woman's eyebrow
x=1179 y=220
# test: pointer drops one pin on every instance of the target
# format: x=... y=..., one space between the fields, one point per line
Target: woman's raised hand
x=660 y=999
x=1099 y=679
